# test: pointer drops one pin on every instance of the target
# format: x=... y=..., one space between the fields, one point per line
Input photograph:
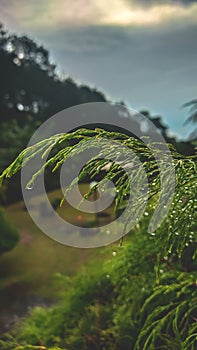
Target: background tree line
x=31 y=91
x=144 y=296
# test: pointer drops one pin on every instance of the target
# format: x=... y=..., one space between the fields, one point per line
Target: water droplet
x=114 y=253
x=176 y=233
x=153 y=233
x=108 y=276
x=146 y=213
x=93 y=184
x=30 y=186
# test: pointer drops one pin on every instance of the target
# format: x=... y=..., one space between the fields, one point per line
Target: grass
x=27 y=272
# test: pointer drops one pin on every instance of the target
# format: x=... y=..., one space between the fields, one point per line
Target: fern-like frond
x=178 y=229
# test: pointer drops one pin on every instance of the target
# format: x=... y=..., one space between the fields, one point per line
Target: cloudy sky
x=141 y=51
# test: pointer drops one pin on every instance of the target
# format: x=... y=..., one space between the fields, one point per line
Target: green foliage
x=30 y=92
x=145 y=296
x=177 y=231
x=8 y=234
x=169 y=315
x=30 y=84
x=55 y=202
x=14 y=138
x=192 y=118
x=121 y=305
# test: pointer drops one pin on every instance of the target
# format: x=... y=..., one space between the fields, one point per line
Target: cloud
x=153 y=69
x=136 y=14
x=87 y=40
x=154 y=2
x=143 y=52
x=65 y=13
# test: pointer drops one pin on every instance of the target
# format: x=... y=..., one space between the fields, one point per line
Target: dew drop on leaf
x=30 y=186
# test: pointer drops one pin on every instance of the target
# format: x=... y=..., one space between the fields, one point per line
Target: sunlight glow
x=125 y=15
x=64 y=13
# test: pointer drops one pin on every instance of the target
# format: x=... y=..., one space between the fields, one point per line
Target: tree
x=30 y=92
x=147 y=297
x=14 y=137
x=8 y=234
x=183 y=147
x=29 y=83
x=192 y=105
x=25 y=71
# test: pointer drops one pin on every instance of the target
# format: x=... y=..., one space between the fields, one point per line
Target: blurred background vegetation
x=77 y=298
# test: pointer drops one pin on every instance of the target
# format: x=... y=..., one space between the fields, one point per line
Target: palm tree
x=192 y=118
